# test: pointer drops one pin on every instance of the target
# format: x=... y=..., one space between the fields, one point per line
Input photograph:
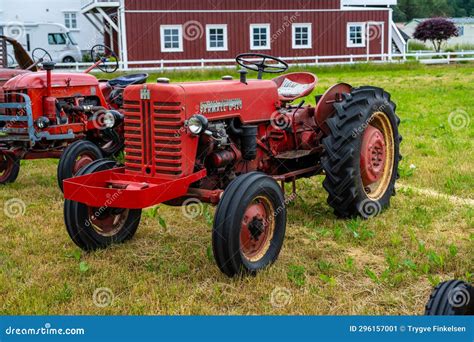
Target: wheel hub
x=107 y=221
x=373 y=156
x=82 y=161
x=256 y=228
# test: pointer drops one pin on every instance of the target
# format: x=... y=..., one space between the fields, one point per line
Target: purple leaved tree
x=436 y=30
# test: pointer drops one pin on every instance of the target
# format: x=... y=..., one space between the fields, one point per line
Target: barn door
x=375 y=40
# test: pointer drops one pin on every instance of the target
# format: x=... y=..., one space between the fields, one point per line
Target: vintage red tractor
x=230 y=143
x=70 y=116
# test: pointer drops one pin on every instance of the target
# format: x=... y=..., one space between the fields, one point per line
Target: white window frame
x=309 y=26
x=180 y=40
x=208 y=37
x=68 y=19
x=350 y=44
x=252 y=42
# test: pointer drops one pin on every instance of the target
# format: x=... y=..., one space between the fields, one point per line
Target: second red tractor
x=231 y=143
x=71 y=116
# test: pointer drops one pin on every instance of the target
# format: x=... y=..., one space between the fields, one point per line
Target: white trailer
x=54 y=38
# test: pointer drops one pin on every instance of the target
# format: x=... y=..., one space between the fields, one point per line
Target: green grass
x=387 y=265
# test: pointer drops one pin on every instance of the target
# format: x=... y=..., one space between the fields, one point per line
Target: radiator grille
x=153 y=143
x=12 y=96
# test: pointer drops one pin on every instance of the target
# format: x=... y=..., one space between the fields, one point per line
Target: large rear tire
x=9 y=168
x=451 y=298
x=362 y=153
x=249 y=225
x=77 y=155
x=97 y=228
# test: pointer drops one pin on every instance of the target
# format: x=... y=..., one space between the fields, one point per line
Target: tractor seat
x=295 y=85
x=127 y=80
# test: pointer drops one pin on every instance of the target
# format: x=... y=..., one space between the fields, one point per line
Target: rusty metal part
x=257 y=229
x=381 y=157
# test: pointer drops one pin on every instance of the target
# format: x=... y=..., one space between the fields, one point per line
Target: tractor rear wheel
x=451 y=298
x=362 y=153
x=95 y=228
x=77 y=155
x=9 y=168
x=249 y=225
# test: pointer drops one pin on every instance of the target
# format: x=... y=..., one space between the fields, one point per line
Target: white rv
x=55 y=39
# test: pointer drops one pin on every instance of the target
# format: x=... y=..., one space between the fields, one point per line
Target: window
x=355 y=35
x=56 y=39
x=460 y=31
x=171 y=38
x=302 y=36
x=216 y=37
x=260 y=36
x=71 y=39
x=70 y=20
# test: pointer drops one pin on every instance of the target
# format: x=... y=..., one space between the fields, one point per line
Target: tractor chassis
x=115 y=188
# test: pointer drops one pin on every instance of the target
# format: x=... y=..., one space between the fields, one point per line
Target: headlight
x=109 y=120
x=42 y=122
x=197 y=124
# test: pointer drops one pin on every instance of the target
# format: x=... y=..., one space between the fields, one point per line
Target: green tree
x=410 y=9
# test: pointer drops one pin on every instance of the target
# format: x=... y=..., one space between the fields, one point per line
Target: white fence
x=161 y=65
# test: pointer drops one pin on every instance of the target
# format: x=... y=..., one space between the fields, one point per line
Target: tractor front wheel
x=96 y=228
x=249 y=225
x=75 y=157
x=9 y=168
x=362 y=153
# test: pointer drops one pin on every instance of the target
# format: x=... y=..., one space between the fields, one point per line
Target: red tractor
x=70 y=116
x=230 y=143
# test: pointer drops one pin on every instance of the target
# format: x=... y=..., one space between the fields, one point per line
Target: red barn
x=154 y=30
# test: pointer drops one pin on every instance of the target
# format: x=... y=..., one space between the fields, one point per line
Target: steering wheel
x=104 y=54
x=261 y=63
x=40 y=55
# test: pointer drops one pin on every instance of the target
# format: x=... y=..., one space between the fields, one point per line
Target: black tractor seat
x=127 y=80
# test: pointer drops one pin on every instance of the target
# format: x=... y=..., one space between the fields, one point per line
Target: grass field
x=387 y=265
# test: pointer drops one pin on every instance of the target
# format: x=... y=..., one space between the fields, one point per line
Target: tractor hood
x=37 y=80
x=6 y=74
x=254 y=101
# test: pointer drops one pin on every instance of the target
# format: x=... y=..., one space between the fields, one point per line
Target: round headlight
x=42 y=122
x=109 y=120
x=197 y=124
